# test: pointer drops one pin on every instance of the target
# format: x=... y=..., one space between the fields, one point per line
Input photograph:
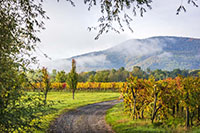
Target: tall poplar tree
x=72 y=79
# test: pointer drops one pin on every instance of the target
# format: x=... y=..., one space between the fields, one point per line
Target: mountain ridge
x=159 y=52
x=125 y=41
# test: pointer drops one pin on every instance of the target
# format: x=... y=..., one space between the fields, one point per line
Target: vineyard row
x=87 y=86
x=170 y=101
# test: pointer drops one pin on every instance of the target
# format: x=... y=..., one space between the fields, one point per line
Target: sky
x=67 y=34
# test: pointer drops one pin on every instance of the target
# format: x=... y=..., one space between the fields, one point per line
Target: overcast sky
x=66 y=33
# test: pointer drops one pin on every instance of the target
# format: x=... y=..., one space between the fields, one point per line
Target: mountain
x=161 y=52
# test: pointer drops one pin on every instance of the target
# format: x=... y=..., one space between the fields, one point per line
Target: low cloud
x=92 y=60
x=165 y=55
x=197 y=56
x=83 y=63
x=140 y=47
x=59 y=65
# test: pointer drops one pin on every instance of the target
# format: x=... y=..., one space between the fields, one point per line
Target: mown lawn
x=63 y=102
x=122 y=123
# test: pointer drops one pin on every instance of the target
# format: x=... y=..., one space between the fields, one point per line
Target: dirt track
x=87 y=119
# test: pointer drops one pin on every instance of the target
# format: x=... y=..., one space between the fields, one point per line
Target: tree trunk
x=134 y=104
x=177 y=107
x=187 y=113
x=134 y=107
x=130 y=107
x=199 y=113
x=154 y=114
x=191 y=120
x=73 y=93
x=182 y=109
x=173 y=108
x=142 y=114
x=187 y=117
x=154 y=107
x=45 y=97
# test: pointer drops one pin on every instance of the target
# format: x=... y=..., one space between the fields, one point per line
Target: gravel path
x=86 y=119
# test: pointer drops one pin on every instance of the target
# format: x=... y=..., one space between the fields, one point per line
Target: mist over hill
x=162 y=52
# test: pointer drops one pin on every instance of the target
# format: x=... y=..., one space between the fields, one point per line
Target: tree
x=91 y=78
x=121 y=75
x=61 y=77
x=84 y=76
x=137 y=71
x=148 y=70
x=72 y=79
x=159 y=74
x=47 y=84
x=53 y=75
x=102 y=76
x=112 y=76
x=20 y=20
x=175 y=73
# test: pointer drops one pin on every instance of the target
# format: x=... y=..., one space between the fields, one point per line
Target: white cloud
x=82 y=63
x=92 y=60
x=165 y=55
x=140 y=48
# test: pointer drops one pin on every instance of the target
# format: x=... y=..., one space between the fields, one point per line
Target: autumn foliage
x=81 y=86
x=164 y=101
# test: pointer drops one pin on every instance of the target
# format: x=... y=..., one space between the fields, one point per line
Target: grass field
x=64 y=102
x=122 y=123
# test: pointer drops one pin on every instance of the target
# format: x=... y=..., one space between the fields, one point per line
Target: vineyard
x=175 y=102
x=81 y=86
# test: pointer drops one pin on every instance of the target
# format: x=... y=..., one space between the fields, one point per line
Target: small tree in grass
x=72 y=79
x=47 y=83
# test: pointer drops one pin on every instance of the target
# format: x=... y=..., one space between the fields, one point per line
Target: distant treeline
x=114 y=75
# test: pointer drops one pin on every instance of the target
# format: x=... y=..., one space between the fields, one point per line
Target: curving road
x=86 y=119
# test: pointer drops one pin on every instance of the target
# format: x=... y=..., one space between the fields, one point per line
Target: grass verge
x=122 y=123
x=64 y=102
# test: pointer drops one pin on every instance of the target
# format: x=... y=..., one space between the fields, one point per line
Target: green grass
x=123 y=123
x=64 y=102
